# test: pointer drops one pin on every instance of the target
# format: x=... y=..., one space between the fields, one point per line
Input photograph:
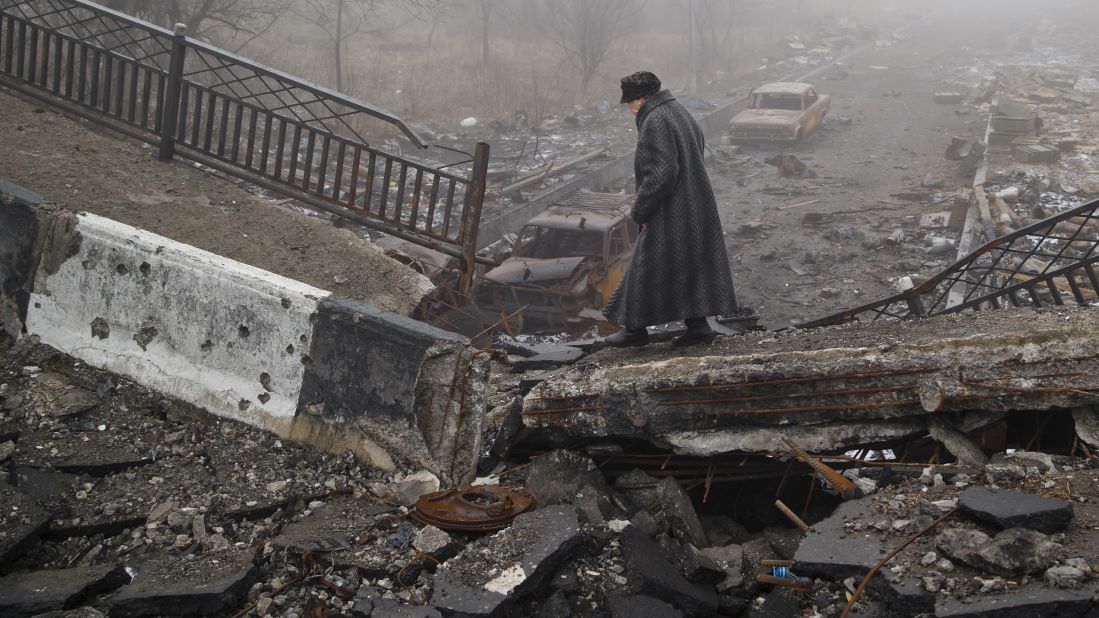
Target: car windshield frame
x=542 y=242
x=790 y=101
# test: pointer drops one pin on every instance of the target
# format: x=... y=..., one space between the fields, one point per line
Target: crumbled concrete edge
x=18 y=239
x=425 y=402
x=710 y=404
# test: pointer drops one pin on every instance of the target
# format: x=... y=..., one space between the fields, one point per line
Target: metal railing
x=1045 y=263
x=239 y=117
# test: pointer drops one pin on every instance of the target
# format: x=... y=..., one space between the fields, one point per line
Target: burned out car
x=780 y=112
x=570 y=258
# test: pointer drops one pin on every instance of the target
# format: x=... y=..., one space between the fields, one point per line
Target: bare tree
x=340 y=20
x=486 y=17
x=715 y=21
x=585 y=29
x=222 y=21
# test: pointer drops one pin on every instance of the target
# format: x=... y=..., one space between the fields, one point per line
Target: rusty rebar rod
x=796 y=584
x=838 y=482
x=797 y=521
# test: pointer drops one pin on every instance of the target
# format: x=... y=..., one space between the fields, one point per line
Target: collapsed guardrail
x=1042 y=264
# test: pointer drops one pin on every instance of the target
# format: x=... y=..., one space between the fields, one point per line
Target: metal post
x=170 y=112
x=471 y=217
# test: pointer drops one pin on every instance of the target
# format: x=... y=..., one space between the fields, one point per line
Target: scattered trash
x=790 y=166
x=948 y=97
x=940 y=246
x=930 y=182
x=1010 y=194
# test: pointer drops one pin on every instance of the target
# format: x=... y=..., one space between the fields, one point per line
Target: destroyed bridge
x=183 y=434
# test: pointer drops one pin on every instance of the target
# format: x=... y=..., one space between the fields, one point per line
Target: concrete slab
x=486 y=577
x=33 y=592
x=204 y=587
x=1011 y=509
x=828 y=388
x=831 y=551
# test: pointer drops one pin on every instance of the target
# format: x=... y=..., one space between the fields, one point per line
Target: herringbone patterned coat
x=679 y=268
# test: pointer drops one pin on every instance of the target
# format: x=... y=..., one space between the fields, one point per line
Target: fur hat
x=640 y=84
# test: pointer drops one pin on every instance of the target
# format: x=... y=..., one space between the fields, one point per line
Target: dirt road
x=806 y=247
x=80 y=168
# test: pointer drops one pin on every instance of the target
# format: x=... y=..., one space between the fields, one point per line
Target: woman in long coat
x=679 y=269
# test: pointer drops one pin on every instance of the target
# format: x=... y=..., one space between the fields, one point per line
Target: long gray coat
x=679 y=267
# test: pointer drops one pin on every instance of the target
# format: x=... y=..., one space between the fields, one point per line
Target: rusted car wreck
x=569 y=258
x=780 y=112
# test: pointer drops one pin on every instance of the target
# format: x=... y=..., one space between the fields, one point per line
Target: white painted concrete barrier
x=241 y=342
x=222 y=335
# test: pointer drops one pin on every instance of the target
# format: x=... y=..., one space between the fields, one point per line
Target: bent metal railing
x=241 y=118
x=1042 y=264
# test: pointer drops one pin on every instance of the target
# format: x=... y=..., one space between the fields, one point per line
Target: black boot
x=628 y=338
x=698 y=331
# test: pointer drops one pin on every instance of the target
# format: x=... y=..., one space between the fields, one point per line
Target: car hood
x=775 y=117
x=521 y=270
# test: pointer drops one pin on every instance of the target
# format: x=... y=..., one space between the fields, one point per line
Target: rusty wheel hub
x=474 y=509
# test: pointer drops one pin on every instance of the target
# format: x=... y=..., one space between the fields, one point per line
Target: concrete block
x=417 y=392
x=222 y=335
x=829 y=550
x=243 y=343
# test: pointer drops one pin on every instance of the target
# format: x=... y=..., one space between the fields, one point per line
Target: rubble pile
x=1017 y=537
x=1041 y=142
x=124 y=503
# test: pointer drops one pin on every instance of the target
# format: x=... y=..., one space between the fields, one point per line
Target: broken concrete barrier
x=488 y=576
x=827 y=389
x=241 y=342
